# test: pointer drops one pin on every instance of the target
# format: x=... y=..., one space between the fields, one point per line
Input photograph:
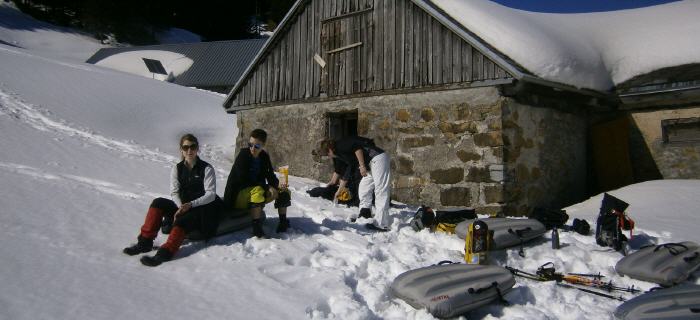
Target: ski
x=547 y=272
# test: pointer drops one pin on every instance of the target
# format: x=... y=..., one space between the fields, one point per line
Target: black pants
x=203 y=218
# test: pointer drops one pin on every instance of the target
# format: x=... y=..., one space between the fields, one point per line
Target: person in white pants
x=362 y=153
x=377 y=182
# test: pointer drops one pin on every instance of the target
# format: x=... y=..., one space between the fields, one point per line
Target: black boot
x=143 y=245
x=257 y=229
x=365 y=213
x=283 y=225
x=162 y=255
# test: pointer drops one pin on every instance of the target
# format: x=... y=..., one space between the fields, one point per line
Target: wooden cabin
x=464 y=124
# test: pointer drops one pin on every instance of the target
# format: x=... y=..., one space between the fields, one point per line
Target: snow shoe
x=283 y=225
x=162 y=255
x=371 y=226
x=258 y=231
x=365 y=213
x=142 y=246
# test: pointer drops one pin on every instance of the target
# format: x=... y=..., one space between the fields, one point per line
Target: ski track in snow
x=54 y=61
x=41 y=119
x=101 y=186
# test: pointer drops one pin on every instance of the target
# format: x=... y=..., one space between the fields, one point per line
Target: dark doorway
x=342 y=124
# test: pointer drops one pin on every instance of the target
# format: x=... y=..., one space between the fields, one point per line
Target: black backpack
x=550 y=218
x=611 y=221
x=425 y=217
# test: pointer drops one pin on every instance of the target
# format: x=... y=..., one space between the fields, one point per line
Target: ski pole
x=591 y=291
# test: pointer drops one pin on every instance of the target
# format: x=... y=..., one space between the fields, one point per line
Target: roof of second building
x=593 y=50
x=218 y=63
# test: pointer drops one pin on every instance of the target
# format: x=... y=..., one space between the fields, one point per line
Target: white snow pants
x=377 y=182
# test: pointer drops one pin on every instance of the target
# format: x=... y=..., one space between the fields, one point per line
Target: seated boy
x=252 y=183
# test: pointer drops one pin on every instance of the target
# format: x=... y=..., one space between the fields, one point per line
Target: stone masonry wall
x=673 y=161
x=446 y=147
x=457 y=148
x=545 y=157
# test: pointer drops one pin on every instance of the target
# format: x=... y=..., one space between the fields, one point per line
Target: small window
x=342 y=124
x=154 y=66
x=679 y=131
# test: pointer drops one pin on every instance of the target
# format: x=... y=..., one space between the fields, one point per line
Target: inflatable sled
x=229 y=221
x=506 y=232
x=452 y=289
x=681 y=302
x=665 y=264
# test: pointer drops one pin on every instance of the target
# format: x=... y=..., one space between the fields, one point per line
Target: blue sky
x=578 y=6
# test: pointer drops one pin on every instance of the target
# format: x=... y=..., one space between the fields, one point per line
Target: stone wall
x=673 y=161
x=545 y=156
x=456 y=148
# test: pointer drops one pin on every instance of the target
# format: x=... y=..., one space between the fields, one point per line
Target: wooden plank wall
x=402 y=47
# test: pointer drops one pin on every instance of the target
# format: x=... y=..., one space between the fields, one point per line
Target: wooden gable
x=333 y=48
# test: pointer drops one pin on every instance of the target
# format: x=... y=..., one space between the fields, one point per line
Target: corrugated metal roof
x=215 y=64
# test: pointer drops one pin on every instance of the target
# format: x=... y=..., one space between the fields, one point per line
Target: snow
x=85 y=149
x=594 y=50
x=174 y=63
x=23 y=31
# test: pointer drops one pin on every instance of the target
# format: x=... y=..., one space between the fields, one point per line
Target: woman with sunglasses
x=194 y=206
x=252 y=183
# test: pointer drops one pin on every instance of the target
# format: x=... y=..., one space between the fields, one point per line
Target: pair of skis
x=578 y=281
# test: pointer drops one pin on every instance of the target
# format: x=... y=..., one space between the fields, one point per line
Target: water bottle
x=555 y=239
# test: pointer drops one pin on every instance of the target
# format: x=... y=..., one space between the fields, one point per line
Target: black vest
x=191 y=181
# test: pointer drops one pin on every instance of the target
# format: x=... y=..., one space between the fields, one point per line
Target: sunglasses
x=186 y=147
x=256 y=146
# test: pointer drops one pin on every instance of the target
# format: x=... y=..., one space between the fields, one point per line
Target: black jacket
x=206 y=217
x=239 y=177
x=345 y=154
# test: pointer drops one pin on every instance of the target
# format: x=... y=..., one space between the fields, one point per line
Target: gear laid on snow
x=439 y=220
x=451 y=289
x=551 y=218
x=611 y=221
x=546 y=272
x=666 y=264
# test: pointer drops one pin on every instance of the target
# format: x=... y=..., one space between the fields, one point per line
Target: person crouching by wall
x=252 y=183
x=194 y=206
x=374 y=166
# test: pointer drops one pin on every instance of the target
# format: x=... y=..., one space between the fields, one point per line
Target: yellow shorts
x=252 y=195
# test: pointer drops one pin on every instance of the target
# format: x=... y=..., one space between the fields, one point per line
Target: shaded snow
x=20 y=30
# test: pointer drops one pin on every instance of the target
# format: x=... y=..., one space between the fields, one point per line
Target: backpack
x=445 y=221
x=550 y=218
x=611 y=221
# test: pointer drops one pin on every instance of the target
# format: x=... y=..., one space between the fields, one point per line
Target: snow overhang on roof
x=592 y=50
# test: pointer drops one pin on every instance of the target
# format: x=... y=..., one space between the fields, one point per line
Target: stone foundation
x=457 y=148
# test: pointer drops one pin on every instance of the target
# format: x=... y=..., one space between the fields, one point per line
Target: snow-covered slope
x=20 y=30
x=85 y=149
x=593 y=50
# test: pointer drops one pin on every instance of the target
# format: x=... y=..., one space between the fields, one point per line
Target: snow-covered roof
x=201 y=64
x=591 y=50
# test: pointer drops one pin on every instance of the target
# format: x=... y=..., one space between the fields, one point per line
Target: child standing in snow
x=194 y=206
x=252 y=183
